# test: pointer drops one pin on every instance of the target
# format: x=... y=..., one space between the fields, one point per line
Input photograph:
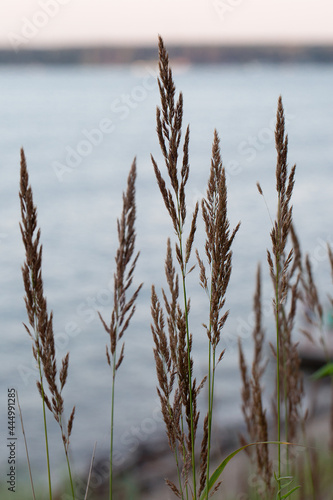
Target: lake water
x=81 y=128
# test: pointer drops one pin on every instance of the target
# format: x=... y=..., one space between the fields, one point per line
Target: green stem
x=45 y=430
x=184 y=453
x=176 y=454
x=190 y=385
x=188 y=347
x=308 y=459
x=211 y=381
x=112 y=420
x=277 y=265
x=41 y=385
x=67 y=456
x=209 y=411
x=44 y=417
x=278 y=397
x=70 y=474
x=285 y=398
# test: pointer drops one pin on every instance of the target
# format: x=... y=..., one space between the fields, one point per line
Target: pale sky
x=52 y=23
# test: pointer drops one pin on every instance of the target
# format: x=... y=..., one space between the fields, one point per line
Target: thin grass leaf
x=290 y=492
x=90 y=470
x=280 y=479
x=325 y=371
x=218 y=471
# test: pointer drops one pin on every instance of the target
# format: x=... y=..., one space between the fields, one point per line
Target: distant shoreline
x=187 y=54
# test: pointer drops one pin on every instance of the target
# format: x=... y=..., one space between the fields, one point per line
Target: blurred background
x=78 y=91
x=81 y=22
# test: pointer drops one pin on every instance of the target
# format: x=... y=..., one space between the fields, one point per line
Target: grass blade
x=90 y=470
x=325 y=371
x=218 y=471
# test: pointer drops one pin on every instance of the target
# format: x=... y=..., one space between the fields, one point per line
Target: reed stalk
x=279 y=268
x=218 y=253
x=123 y=307
x=252 y=399
x=167 y=352
x=278 y=390
x=41 y=324
x=313 y=307
x=169 y=130
x=173 y=352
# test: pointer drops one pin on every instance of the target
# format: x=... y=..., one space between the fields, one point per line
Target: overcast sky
x=37 y=23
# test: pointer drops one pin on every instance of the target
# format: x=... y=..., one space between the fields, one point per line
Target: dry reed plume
x=313 y=309
x=40 y=321
x=174 y=359
x=285 y=278
x=178 y=389
x=219 y=256
x=252 y=406
x=123 y=307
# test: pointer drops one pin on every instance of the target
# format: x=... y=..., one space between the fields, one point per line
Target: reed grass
x=313 y=309
x=41 y=325
x=173 y=356
x=279 y=262
x=219 y=260
x=184 y=411
x=174 y=332
x=123 y=307
x=252 y=399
